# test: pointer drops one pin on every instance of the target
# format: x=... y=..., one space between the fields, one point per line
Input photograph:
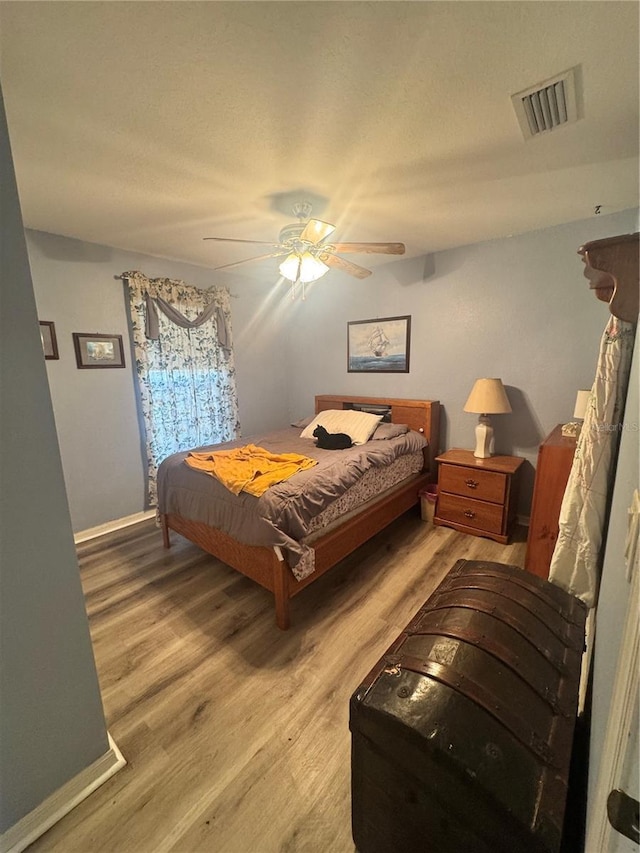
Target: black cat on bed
x=332 y=440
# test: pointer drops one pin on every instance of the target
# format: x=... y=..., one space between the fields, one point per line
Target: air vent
x=548 y=105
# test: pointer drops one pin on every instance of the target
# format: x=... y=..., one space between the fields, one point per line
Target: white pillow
x=359 y=426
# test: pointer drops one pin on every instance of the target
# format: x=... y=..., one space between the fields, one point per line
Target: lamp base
x=572 y=429
x=484 y=438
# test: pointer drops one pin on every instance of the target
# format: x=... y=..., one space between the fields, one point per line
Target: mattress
x=289 y=512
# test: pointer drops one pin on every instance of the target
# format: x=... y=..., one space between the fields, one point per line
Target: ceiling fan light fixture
x=302 y=267
x=307 y=257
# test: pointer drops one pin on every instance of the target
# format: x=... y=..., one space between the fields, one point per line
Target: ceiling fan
x=306 y=251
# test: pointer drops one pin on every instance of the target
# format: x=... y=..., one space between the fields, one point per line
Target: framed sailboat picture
x=379 y=346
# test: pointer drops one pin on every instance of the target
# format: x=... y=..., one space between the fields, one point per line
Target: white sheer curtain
x=185 y=367
x=576 y=562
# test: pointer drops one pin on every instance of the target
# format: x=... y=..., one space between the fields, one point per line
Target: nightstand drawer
x=480 y=485
x=471 y=513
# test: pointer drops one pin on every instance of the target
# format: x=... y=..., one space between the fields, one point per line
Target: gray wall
x=51 y=720
x=95 y=410
x=518 y=308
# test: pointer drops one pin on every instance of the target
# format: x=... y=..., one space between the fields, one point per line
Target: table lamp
x=487 y=397
x=573 y=427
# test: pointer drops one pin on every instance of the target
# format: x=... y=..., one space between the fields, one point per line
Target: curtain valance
x=215 y=302
x=153 y=330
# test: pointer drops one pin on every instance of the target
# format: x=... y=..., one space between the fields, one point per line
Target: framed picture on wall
x=96 y=350
x=379 y=346
x=48 y=338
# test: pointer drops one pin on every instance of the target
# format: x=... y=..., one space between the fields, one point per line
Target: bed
x=268 y=564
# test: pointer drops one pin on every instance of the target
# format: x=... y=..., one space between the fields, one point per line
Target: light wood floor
x=235 y=733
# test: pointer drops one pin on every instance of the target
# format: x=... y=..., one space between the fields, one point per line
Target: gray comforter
x=282 y=514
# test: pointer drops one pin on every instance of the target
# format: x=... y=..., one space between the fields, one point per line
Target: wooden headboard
x=421 y=415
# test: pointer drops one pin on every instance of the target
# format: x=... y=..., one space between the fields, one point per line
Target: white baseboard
x=61 y=802
x=111 y=526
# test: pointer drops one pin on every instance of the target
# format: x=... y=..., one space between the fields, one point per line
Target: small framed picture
x=379 y=346
x=95 y=350
x=48 y=338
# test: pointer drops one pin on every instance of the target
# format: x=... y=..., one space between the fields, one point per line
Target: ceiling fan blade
x=236 y=240
x=378 y=248
x=249 y=260
x=316 y=230
x=345 y=266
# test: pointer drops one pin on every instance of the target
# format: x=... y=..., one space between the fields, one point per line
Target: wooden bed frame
x=264 y=566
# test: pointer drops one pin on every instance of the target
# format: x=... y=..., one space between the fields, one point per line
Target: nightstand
x=478 y=496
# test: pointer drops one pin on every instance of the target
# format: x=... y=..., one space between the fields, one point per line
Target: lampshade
x=311 y=269
x=488 y=397
x=582 y=399
x=316 y=230
x=290 y=267
x=302 y=267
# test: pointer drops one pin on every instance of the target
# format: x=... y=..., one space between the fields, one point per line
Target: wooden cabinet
x=477 y=496
x=555 y=457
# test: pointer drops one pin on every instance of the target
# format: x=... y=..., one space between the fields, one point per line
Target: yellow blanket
x=249 y=468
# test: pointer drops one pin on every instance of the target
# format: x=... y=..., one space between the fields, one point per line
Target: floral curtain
x=575 y=565
x=184 y=361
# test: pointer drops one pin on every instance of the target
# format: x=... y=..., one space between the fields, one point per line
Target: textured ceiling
x=148 y=126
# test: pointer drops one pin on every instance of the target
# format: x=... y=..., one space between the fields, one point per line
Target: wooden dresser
x=555 y=457
x=477 y=496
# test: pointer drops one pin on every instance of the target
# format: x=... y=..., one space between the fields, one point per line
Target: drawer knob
x=473 y=484
x=469 y=514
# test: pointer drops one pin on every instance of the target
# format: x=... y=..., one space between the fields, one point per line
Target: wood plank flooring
x=236 y=734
